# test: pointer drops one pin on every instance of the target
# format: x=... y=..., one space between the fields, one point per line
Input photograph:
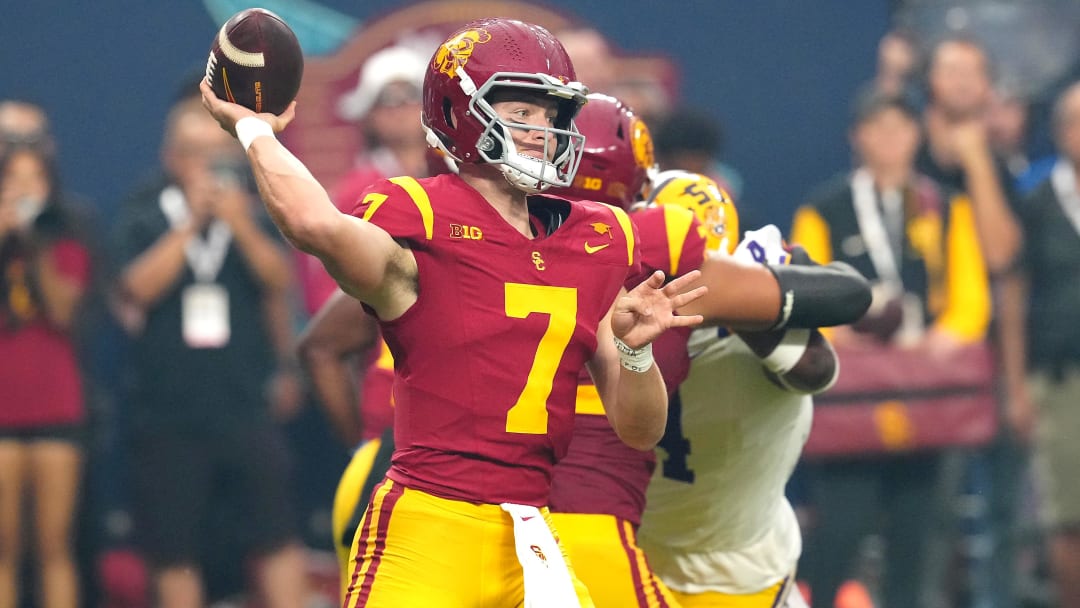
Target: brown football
x=256 y=61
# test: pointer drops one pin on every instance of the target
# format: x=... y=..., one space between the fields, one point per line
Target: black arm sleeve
x=820 y=296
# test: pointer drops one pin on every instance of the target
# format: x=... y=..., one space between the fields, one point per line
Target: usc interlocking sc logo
x=455 y=52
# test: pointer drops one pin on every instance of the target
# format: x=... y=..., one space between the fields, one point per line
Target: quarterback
x=491 y=298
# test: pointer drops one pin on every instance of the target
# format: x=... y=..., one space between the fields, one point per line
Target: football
x=256 y=61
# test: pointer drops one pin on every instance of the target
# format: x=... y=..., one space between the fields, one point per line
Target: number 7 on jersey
x=529 y=414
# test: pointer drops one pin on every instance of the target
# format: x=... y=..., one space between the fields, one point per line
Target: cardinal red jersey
x=672 y=240
x=600 y=473
x=486 y=360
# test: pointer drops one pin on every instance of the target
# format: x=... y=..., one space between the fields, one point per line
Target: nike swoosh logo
x=527 y=518
x=591 y=249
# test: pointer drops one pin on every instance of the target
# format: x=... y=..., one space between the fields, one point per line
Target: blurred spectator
x=597 y=65
x=22 y=122
x=205 y=280
x=45 y=271
x=915 y=239
x=385 y=106
x=1007 y=125
x=918 y=245
x=1044 y=342
x=693 y=141
x=644 y=91
x=594 y=61
x=898 y=64
x=689 y=140
x=958 y=153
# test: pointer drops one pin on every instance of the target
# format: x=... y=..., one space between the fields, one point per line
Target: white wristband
x=249 y=128
x=788 y=352
x=634 y=359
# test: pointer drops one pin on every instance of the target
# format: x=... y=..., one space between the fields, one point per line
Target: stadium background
x=777 y=74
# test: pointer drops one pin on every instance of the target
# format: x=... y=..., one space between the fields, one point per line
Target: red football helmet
x=618 y=156
x=487 y=55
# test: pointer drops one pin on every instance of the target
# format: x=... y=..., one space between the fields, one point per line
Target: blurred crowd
x=157 y=438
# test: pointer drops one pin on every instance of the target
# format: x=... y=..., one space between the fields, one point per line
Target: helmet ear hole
x=567 y=111
x=448 y=114
x=494 y=143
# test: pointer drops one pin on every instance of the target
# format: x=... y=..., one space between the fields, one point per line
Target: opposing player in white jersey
x=717 y=527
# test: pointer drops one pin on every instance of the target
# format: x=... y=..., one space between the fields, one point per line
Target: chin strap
x=524 y=172
x=516 y=170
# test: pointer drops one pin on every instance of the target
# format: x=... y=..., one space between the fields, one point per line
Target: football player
x=491 y=298
x=495 y=271
x=718 y=529
x=599 y=489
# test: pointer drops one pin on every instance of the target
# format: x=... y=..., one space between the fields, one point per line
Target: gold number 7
x=529 y=414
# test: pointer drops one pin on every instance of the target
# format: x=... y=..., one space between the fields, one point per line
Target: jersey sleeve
x=672 y=240
x=400 y=206
x=635 y=272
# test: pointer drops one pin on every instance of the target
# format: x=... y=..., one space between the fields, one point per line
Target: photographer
x=203 y=286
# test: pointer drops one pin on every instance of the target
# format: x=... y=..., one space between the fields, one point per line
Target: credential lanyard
x=872 y=228
x=205 y=256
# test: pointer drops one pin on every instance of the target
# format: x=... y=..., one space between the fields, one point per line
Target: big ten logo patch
x=461 y=231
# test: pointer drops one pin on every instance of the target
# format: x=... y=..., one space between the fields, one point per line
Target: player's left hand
x=646 y=312
x=228 y=114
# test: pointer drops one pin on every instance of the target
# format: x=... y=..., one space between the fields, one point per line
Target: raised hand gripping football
x=649 y=310
x=228 y=114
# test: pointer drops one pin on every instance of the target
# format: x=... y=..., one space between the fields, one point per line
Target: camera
x=233 y=172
